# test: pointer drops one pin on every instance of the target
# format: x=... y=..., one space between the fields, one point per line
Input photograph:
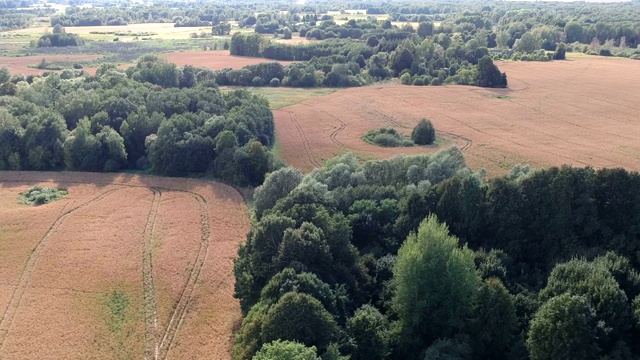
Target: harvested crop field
x=215 y=60
x=122 y=267
x=582 y=111
x=20 y=64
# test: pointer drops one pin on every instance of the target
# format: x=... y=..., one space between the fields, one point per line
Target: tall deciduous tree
x=563 y=328
x=435 y=282
x=300 y=317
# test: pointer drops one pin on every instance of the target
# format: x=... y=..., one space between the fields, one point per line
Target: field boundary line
x=16 y=298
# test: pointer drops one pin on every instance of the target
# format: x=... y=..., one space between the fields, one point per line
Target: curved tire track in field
x=149 y=291
x=180 y=311
x=342 y=125
x=25 y=277
x=305 y=141
x=467 y=142
x=389 y=120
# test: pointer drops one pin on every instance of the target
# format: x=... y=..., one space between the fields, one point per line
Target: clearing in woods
x=123 y=267
x=581 y=112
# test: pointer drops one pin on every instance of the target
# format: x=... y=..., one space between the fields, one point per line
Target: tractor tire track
x=149 y=291
x=342 y=125
x=305 y=141
x=389 y=120
x=16 y=298
x=467 y=142
x=178 y=315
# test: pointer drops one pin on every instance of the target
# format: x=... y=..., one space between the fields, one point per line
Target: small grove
x=154 y=117
x=421 y=258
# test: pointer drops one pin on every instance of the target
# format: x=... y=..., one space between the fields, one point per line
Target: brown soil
x=62 y=263
x=20 y=64
x=580 y=112
x=215 y=60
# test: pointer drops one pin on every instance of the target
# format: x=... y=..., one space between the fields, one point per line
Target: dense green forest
x=156 y=117
x=420 y=258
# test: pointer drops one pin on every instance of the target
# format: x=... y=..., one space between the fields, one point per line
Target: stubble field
x=582 y=111
x=216 y=60
x=123 y=267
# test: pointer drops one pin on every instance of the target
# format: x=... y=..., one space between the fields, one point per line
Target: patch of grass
x=38 y=195
x=387 y=138
x=121 y=319
x=118 y=303
x=500 y=97
x=280 y=97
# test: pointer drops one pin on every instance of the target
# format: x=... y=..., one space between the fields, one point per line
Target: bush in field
x=38 y=195
x=387 y=138
x=424 y=133
x=560 y=53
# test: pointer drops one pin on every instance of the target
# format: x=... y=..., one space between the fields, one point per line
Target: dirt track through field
x=191 y=316
x=149 y=291
x=179 y=313
x=581 y=112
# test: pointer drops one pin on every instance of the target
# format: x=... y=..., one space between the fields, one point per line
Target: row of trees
x=355 y=260
x=154 y=117
x=348 y=63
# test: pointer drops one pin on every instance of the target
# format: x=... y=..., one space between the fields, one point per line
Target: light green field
x=281 y=96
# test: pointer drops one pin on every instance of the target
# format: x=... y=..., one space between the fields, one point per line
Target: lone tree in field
x=423 y=133
x=560 y=53
x=489 y=75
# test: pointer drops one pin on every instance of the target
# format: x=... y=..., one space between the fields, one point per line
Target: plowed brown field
x=215 y=60
x=582 y=111
x=123 y=267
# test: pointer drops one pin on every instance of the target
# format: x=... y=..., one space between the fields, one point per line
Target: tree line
x=354 y=63
x=420 y=258
x=154 y=117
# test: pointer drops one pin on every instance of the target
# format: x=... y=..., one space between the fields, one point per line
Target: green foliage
x=84 y=151
x=560 y=53
x=61 y=39
x=428 y=263
x=424 y=133
x=304 y=283
x=299 y=317
x=564 y=328
x=370 y=332
x=286 y=350
x=277 y=185
x=597 y=285
x=386 y=138
x=489 y=75
x=38 y=195
x=493 y=321
x=344 y=222
x=447 y=349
